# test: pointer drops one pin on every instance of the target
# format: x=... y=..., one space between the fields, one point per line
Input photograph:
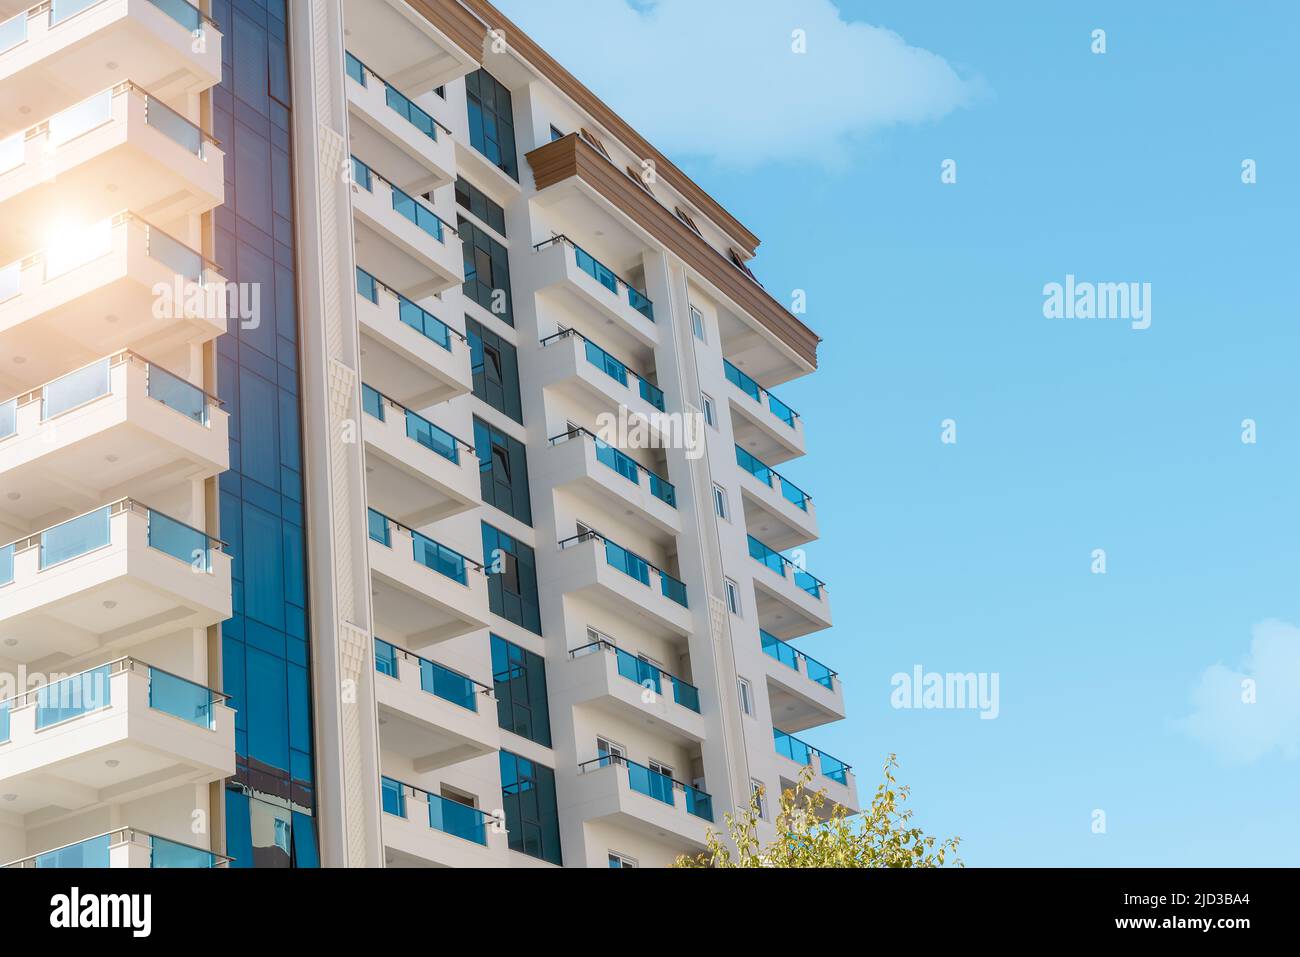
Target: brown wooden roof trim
x=573 y=156
x=459 y=24
x=587 y=101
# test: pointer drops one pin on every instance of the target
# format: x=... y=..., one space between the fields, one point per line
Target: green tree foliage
x=881 y=836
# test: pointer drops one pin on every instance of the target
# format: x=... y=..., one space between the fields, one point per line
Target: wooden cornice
x=460 y=24
x=573 y=156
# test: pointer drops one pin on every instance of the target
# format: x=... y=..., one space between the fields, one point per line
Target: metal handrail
x=116 y=666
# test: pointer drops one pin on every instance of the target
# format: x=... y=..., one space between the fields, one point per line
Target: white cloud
x=717 y=78
x=1244 y=732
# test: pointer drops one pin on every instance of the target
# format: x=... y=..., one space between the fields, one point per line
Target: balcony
x=581 y=460
x=832 y=774
x=417 y=51
x=124 y=847
x=424 y=592
x=117 y=732
x=416 y=472
x=775 y=506
x=767 y=428
x=60 y=52
x=619 y=683
x=592 y=566
x=802 y=692
x=431 y=714
x=415 y=149
x=120 y=575
x=571 y=364
x=120 y=423
x=790 y=600
x=631 y=795
x=402 y=237
x=428 y=830
x=95 y=296
x=581 y=282
x=421 y=360
x=120 y=149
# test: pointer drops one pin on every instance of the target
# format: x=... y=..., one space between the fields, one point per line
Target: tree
x=881 y=836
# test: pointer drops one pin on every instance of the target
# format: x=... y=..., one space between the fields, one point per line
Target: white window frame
x=710 y=410
x=732 y=591
x=745 y=691
x=623 y=859
x=697 y=325
x=754 y=787
x=721 y=504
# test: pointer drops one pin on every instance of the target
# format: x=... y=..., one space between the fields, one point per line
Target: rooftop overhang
x=572 y=156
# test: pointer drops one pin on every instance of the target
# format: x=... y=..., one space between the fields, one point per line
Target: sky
x=1165 y=692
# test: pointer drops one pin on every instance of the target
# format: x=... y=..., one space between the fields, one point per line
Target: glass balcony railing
x=598 y=271
x=175 y=255
x=95 y=852
x=404 y=204
x=165 y=853
x=91 y=690
x=397 y=101
x=75 y=537
x=182 y=698
x=418 y=429
x=423 y=322
x=6 y=565
x=786 y=653
x=756 y=392
x=13 y=32
x=436 y=679
x=180 y=541
x=424 y=550
x=771 y=478
x=615 y=369
x=779 y=563
x=75 y=389
x=632 y=565
x=8 y=418
x=392 y=797
x=174 y=126
x=177 y=394
x=644 y=673
x=655 y=784
x=445 y=815
x=626 y=466
x=186 y=14
x=802 y=753
x=86 y=533
x=458 y=820
x=73 y=697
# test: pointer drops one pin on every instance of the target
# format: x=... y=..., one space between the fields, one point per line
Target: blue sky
x=1121 y=691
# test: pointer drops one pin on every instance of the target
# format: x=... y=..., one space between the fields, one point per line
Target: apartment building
x=391 y=472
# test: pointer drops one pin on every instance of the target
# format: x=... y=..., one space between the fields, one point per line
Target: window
x=746 y=695
x=503 y=471
x=759 y=795
x=555 y=133
x=697 y=324
x=519 y=681
x=609 y=752
x=619 y=860
x=639 y=179
x=720 y=503
x=528 y=797
x=449 y=793
x=658 y=767
x=487 y=270
x=495 y=367
x=594 y=140
x=511 y=569
x=733 y=596
x=710 y=413
x=492 y=121
x=740 y=264
x=470 y=197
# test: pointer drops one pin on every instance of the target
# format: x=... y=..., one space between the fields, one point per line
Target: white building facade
x=533 y=581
